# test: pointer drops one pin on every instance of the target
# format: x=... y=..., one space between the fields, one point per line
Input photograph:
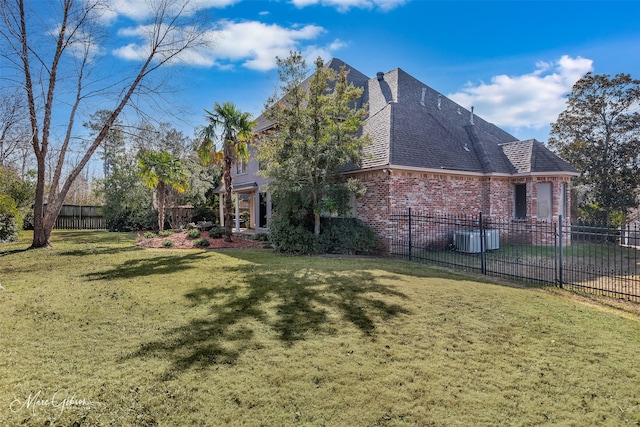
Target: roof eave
x=447 y=171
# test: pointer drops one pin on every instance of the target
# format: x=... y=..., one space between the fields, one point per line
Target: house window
x=544 y=201
x=241 y=166
x=520 y=199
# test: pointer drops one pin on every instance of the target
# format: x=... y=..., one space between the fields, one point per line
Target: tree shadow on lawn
x=4 y=253
x=149 y=266
x=91 y=236
x=291 y=305
x=101 y=250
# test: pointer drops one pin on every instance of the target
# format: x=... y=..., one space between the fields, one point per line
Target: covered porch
x=252 y=208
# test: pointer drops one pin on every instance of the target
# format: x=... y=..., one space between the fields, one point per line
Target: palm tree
x=235 y=133
x=159 y=169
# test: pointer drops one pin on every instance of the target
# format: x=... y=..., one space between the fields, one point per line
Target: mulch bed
x=182 y=241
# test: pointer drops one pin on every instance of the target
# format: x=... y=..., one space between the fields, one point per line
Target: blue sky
x=514 y=61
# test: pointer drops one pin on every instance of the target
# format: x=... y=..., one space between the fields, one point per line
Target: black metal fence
x=604 y=260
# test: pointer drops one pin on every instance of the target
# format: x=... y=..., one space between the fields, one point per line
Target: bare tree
x=55 y=74
x=14 y=127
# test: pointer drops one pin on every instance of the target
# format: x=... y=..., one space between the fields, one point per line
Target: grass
x=607 y=269
x=131 y=337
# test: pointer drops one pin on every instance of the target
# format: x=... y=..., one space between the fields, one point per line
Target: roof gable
x=532 y=156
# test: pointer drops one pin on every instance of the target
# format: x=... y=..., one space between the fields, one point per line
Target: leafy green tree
x=21 y=191
x=127 y=202
x=16 y=195
x=10 y=219
x=317 y=135
x=159 y=170
x=205 y=177
x=235 y=132
x=599 y=134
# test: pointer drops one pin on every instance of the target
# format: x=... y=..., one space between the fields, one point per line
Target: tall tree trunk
x=40 y=234
x=161 y=202
x=316 y=215
x=228 y=204
x=41 y=238
x=316 y=224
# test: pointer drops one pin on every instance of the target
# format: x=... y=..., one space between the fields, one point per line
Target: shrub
x=127 y=220
x=149 y=235
x=261 y=237
x=167 y=243
x=291 y=238
x=10 y=220
x=28 y=221
x=165 y=233
x=348 y=236
x=204 y=213
x=201 y=243
x=337 y=236
x=215 y=232
x=194 y=233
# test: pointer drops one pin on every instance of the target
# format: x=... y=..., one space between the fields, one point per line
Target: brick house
x=430 y=153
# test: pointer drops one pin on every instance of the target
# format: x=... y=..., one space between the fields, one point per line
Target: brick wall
x=389 y=191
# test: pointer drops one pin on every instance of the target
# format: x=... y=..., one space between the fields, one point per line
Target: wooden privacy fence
x=179 y=215
x=78 y=217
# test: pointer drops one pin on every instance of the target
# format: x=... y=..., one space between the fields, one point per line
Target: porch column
x=255 y=212
x=221 y=209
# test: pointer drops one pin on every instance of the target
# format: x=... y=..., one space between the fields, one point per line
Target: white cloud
x=528 y=101
x=345 y=5
x=131 y=52
x=141 y=9
x=173 y=38
x=337 y=44
x=253 y=44
x=257 y=44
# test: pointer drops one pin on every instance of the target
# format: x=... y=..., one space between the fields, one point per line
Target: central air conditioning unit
x=469 y=241
x=492 y=240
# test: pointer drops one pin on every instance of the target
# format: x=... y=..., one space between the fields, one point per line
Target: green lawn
x=100 y=332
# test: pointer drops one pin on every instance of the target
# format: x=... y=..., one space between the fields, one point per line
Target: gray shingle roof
x=413 y=125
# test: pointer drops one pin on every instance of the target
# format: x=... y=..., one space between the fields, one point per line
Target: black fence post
x=410 y=242
x=483 y=255
x=560 y=237
x=555 y=253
